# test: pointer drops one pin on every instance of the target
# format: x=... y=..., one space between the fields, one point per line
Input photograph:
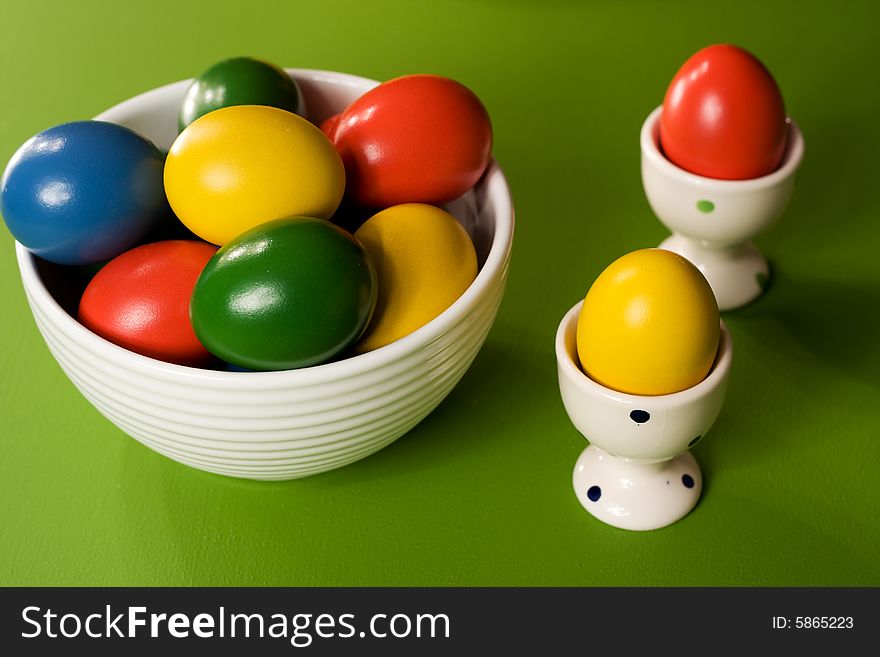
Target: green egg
x=289 y=293
x=239 y=81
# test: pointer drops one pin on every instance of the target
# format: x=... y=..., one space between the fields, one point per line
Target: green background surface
x=480 y=492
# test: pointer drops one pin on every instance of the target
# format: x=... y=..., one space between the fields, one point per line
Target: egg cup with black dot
x=637 y=472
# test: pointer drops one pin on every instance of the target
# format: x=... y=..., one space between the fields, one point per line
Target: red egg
x=140 y=301
x=417 y=138
x=723 y=116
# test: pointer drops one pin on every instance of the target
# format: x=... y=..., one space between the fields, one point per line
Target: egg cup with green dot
x=712 y=221
x=638 y=473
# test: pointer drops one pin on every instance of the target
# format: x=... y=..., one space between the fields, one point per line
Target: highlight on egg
x=83 y=192
x=286 y=294
x=724 y=116
x=239 y=81
x=649 y=325
x=413 y=139
x=240 y=166
x=140 y=301
x=424 y=259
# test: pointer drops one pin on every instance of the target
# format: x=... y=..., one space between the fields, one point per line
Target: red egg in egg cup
x=713 y=220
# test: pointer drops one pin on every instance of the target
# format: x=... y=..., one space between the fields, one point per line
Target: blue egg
x=83 y=192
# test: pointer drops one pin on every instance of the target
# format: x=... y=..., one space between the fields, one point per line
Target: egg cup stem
x=738 y=275
x=636 y=496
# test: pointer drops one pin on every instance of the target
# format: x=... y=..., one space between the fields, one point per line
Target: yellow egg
x=424 y=259
x=241 y=166
x=649 y=325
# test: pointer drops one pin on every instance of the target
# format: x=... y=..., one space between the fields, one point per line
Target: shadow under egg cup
x=712 y=220
x=637 y=472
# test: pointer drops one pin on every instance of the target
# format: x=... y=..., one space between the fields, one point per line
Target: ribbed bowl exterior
x=285 y=425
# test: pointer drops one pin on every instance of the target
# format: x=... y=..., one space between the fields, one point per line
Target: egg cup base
x=636 y=496
x=737 y=275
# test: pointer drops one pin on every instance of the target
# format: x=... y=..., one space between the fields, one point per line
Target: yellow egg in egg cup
x=637 y=472
x=643 y=366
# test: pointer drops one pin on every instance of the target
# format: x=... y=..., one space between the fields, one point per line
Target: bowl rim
x=493 y=267
x=791 y=160
x=573 y=372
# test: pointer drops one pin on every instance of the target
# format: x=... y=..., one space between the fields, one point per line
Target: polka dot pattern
x=594 y=493
x=639 y=416
x=687 y=480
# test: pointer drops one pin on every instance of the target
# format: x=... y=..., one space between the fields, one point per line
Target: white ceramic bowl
x=280 y=425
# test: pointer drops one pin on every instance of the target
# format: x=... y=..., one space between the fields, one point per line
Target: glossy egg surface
x=290 y=293
x=649 y=325
x=83 y=192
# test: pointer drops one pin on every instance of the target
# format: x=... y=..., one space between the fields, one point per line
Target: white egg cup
x=713 y=220
x=637 y=472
